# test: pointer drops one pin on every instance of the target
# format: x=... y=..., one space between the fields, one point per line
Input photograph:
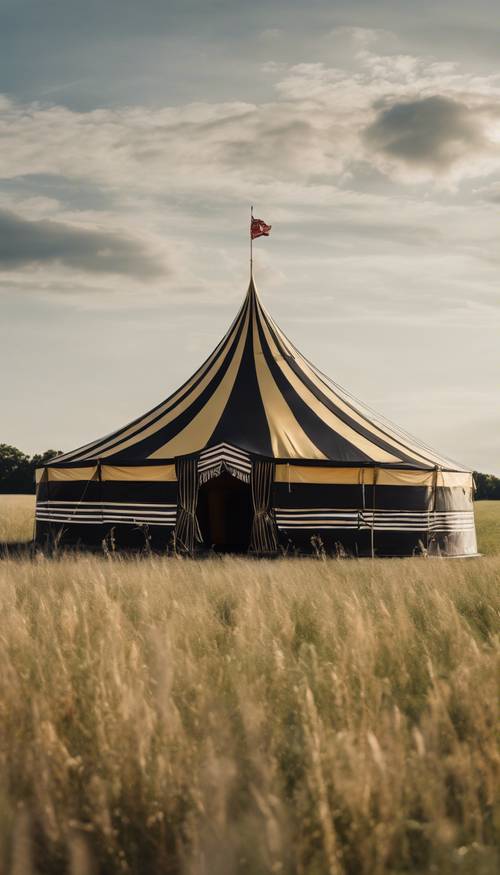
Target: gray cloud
x=24 y=243
x=489 y=193
x=74 y=193
x=430 y=132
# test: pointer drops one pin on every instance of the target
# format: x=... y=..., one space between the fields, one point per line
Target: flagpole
x=251 y=242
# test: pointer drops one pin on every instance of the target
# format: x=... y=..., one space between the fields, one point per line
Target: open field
x=17 y=517
x=488 y=526
x=235 y=716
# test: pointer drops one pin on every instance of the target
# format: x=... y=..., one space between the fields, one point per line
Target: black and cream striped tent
x=259 y=451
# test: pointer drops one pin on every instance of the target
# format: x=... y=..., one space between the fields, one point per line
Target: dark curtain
x=264 y=538
x=187 y=531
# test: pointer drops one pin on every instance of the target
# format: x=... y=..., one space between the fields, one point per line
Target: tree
x=40 y=459
x=17 y=470
x=487 y=486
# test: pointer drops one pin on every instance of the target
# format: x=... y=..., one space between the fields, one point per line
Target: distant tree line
x=17 y=473
x=17 y=470
x=487 y=486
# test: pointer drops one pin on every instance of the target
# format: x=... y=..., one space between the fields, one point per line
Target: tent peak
x=252 y=291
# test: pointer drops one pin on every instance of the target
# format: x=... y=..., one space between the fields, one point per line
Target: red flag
x=258 y=228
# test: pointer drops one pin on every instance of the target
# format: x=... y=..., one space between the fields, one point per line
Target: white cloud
x=313 y=129
x=177 y=177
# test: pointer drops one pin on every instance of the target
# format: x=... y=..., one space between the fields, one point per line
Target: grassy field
x=17 y=517
x=232 y=716
x=488 y=526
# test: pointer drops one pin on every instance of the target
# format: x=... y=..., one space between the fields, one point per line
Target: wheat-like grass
x=236 y=716
x=16 y=518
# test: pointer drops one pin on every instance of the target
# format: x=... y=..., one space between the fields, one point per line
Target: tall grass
x=487 y=515
x=17 y=516
x=235 y=716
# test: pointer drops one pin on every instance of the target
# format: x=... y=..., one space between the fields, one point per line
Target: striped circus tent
x=259 y=451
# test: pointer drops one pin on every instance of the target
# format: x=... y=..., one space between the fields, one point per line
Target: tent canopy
x=256 y=392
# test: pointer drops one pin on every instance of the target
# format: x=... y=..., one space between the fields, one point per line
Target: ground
x=235 y=716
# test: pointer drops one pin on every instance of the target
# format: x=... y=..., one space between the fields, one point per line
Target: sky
x=135 y=136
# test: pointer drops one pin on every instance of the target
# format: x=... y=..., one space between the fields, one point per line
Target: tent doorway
x=225 y=514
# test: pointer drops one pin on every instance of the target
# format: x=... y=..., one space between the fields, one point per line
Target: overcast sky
x=135 y=135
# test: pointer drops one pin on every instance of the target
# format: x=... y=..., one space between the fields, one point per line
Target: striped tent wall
x=84 y=506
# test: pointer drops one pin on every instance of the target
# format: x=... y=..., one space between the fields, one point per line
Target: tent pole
x=431 y=516
x=372 y=545
x=251 y=244
x=99 y=478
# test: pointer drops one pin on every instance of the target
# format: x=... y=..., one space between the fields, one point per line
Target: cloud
x=489 y=193
x=183 y=174
x=73 y=193
x=431 y=132
x=410 y=118
x=26 y=243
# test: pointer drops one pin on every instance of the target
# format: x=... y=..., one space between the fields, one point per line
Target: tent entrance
x=225 y=514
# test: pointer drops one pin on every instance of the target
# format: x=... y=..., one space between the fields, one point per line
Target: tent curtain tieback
x=187 y=530
x=264 y=537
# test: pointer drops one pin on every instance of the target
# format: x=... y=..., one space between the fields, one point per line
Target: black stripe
x=224 y=460
x=320 y=396
x=331 y=444
x=149 y=445
x=224 y=455
x=244 y=422
x=199 y=374
x=223 y=447
x=390 y=429
x=95 y=521
x=209 y=458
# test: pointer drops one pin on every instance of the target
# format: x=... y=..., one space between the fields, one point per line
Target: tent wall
x=375 y=518
x=359 y=511
x=130 y=513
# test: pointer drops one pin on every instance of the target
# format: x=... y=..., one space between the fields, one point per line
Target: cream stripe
x=104 y=443
x=173 y=414
x=332 y=421
x=197 y=432
x=386 y=476
x=303 y=474
x=159 y=473
x=163 y=473
x=450 y=479
x=58 y=474
x=455 y=478
x=288 y=439
x=389 y=437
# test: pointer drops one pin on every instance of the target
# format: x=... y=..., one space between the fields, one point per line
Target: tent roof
x=258 y=393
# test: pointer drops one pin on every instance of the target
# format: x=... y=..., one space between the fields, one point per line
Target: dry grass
x=162 y=716
x=488 y=526
x=17 y=515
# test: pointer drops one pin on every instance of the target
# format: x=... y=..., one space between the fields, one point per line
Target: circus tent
x=259 y=451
